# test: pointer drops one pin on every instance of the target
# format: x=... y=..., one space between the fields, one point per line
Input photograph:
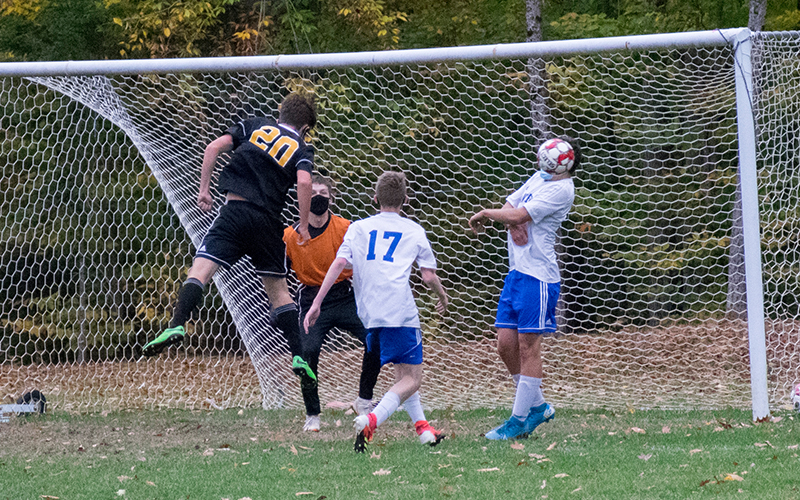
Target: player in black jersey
x=268 y=158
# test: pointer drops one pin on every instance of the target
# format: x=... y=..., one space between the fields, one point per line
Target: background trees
x=107 y=29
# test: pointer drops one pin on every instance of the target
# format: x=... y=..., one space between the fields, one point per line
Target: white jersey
x=548 y=203
x=381 y=249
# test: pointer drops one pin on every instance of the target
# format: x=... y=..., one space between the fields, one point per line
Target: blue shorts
x=396 y=344
x=527 y=304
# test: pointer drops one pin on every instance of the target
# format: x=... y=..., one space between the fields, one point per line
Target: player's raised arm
x=215 y=148
x=303 y=204
x=334 y=271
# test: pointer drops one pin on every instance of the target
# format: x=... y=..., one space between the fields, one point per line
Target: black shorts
x=242 y=228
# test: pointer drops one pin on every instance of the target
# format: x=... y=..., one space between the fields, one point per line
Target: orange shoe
x=427 y=434
x=365 y=425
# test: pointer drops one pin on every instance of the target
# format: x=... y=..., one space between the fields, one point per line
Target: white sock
x=386 y=407
x=529 y=394
x=413 y=406
x=516 y=379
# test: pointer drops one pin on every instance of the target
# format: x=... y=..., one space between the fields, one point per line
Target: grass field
x=256 y=454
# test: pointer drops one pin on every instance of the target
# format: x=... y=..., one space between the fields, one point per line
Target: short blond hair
x=391 y=189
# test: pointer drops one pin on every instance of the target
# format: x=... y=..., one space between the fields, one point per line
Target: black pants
x=338 y=311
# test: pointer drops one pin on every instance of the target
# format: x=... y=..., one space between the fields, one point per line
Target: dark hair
x=576 y=148
x=298 y=110
x=390 y=190
x=318 y=179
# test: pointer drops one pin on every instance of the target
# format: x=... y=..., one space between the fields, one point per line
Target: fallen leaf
x=209 y=452
x=293 y=449
x=777 y=419
x=120 y=493
x=551 y=446
x=338 y=423
x=517 y=446
x=48 y=497
x=151 y=483
x=301 y=493
x=696 y=450
x=792 y=447
x=637 y=430
x=305 y=448
x=381 y=472
x=665 y=430
x=240 y=412
x=733 y=477
x=561 y=475
x=123 y=478
x=488 y=470
x=645 y=457
x=534 y=455
x=375 y=455
x=245 y=498
x=577 y=489
x=544 y=484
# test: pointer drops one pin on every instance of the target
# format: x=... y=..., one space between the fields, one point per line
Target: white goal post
x=680 y=259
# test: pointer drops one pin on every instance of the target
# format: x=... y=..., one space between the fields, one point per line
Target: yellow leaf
x=382 y=33
x=733 y=477
x=118 y=21
x=167 y=32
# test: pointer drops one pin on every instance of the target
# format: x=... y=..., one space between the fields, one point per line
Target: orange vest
x=311 y=261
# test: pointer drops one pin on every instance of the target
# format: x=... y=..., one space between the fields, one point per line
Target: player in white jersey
x=381 y=251
x=526 y=310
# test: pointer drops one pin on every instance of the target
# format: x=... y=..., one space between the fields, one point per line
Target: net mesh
x=100 y=176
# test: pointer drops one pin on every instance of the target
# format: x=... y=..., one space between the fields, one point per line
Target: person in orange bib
x=310 y=261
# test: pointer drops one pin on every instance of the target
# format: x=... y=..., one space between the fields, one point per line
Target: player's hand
x=477 y=222
x=311 y=317
x=519 y=233
x=204 y=201
x=441 y=306
x=305 y=237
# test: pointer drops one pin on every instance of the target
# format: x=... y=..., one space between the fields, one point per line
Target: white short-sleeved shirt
x=382 y=250
x=548 y=203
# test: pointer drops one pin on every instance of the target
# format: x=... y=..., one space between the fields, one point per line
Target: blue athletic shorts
x=396 y=344
x=527 y=304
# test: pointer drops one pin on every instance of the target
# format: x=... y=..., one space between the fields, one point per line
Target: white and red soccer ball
x=556 y=156
x=796 y=397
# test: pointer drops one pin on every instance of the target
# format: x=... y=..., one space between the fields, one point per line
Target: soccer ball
x=796 y=397
x=556 y=156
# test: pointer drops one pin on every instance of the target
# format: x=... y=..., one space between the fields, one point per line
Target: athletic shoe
x=168 y=337
x=539 y=415
x=427 y=434
x=364 y=406
x=312 y=423
x=365 y=425
x=300 y=368
x=513 y=428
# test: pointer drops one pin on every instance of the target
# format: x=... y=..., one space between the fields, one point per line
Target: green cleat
x=168 y=337
x=301 y=368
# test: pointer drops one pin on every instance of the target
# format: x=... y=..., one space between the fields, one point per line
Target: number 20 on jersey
x=276 y=145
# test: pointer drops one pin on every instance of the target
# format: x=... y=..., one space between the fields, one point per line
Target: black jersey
x=264 y=162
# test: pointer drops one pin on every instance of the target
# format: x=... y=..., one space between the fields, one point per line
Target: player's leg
x=189 y=297
x=427 y=434
x=347 y=316
x=312 y=345
x=403 y=347
x=286 y=318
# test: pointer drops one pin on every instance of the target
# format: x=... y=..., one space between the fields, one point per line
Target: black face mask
x=319 y=204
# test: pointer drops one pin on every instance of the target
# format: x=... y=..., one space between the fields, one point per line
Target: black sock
x=188 y=298
x=287 y=321
x=370 y=369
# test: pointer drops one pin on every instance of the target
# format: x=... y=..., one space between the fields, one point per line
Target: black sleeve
x=239 y=132
x=306 y=160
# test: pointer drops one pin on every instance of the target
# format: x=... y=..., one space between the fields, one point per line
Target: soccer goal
x=680 y=260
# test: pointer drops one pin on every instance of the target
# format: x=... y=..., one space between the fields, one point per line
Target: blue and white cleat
x=513 y=428
x=539 y=415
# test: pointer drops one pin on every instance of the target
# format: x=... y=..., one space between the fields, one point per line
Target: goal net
x=99 y=225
